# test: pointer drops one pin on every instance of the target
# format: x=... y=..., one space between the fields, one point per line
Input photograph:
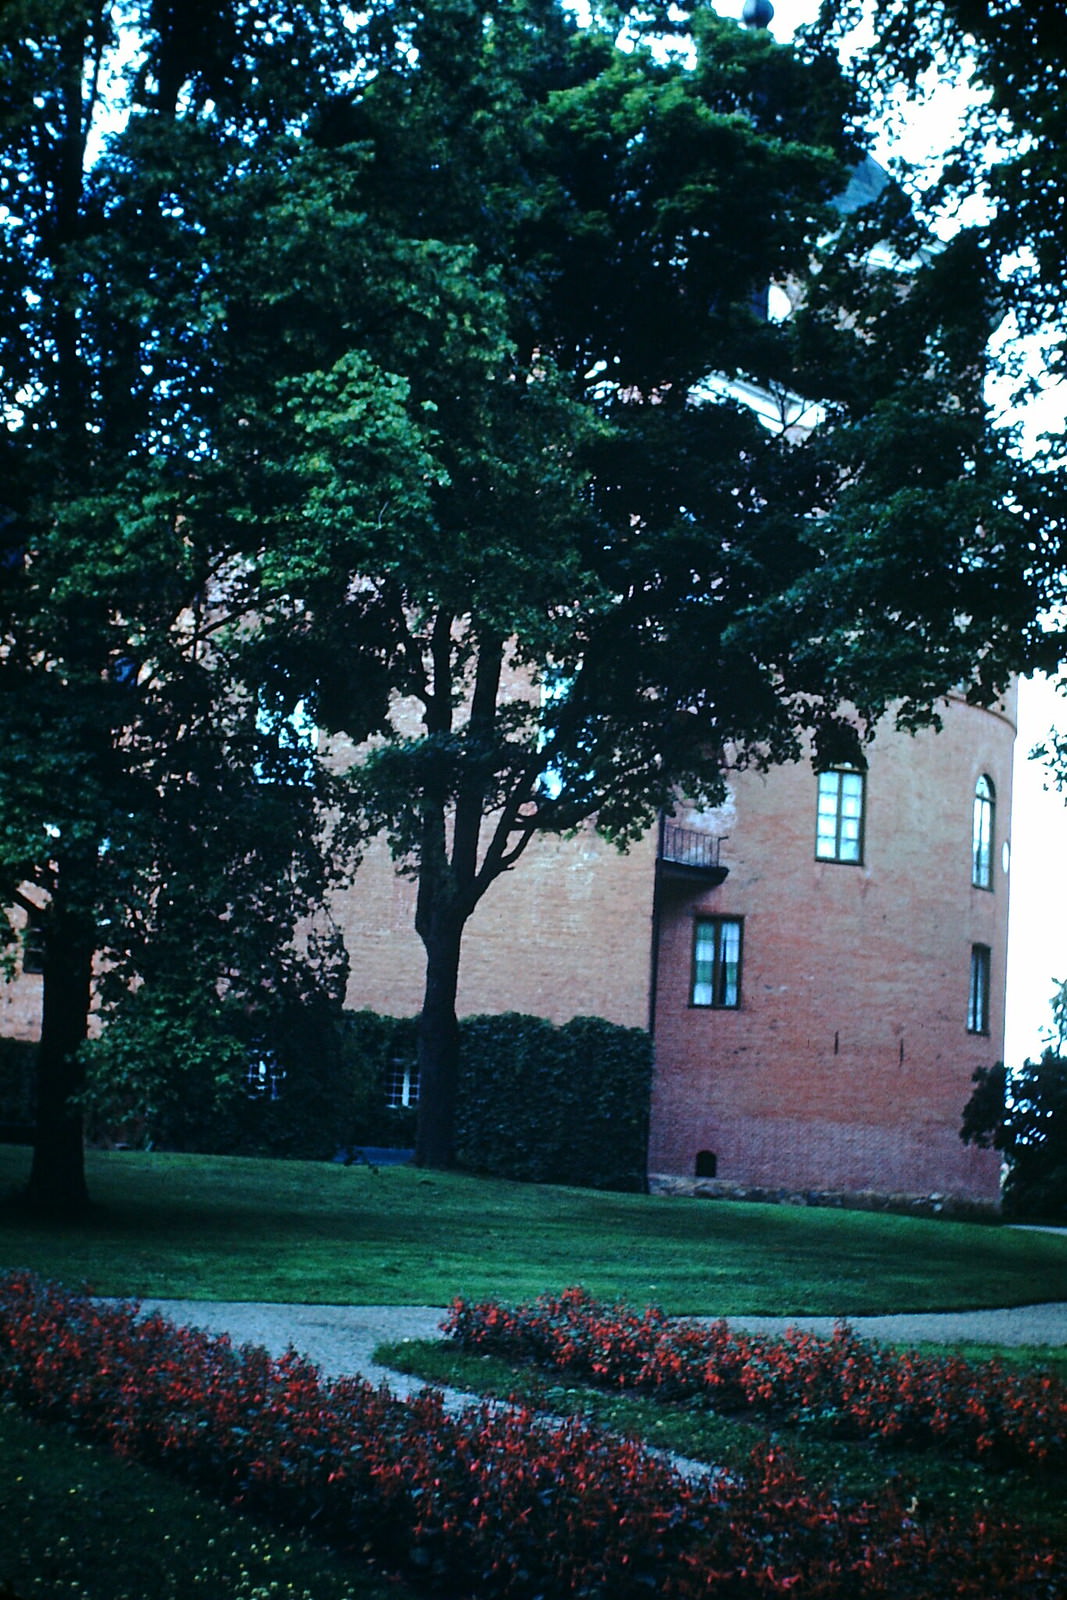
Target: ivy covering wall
x=537 y=1102
x=554 y=1104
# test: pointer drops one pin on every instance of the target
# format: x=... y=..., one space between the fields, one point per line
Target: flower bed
x=846 y=1385
x=487 y=1503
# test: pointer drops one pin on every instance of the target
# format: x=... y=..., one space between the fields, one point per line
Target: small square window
x=978 y=1000
x=839 y=816
x=716 y=974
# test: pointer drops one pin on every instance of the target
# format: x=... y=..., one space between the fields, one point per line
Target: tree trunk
x=438 y=1044
x=57 y=1176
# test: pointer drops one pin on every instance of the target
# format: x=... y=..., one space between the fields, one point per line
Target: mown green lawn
x=232 y=1229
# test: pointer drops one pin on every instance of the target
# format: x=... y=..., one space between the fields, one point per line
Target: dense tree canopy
x=425 y=350
x=150 y=829
x=550 y=562
x=1002 y=168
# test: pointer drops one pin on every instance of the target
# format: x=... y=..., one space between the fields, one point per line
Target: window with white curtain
x=716 y=974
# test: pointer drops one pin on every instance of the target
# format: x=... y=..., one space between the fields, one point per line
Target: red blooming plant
x=490 y=1504
x=853 y=1387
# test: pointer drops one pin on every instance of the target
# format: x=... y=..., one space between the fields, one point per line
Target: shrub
x=845 y=1385
x=1024 y=1115
x=18 y=1066
x=538 y=1102
x=554 y=1104
x=304 y=1084
x=489 y=1503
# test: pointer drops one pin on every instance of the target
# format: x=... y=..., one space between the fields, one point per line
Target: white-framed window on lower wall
x=715 y=979
x=978 y=1000
x=401 y=1085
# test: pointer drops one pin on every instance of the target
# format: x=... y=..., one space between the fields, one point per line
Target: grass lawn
x=81 y=1524
x=231 y=1229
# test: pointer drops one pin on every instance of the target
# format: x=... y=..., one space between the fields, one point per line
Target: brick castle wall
x=848 y=1062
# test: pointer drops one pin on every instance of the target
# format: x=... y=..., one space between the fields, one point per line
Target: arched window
x=982 y=828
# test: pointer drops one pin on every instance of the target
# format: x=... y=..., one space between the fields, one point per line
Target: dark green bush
x=18 y=1067
x=554 y=1104
x=537 y=1102
x=372 y=1046
x=1024 y=1115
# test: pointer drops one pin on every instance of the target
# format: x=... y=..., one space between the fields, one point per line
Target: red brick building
x=821 y=961
x=818 y=1007
x=820 y=1012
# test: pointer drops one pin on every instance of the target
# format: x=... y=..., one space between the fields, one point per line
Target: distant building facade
x=821 y=960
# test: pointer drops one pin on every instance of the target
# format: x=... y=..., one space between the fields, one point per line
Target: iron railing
x=689 y=847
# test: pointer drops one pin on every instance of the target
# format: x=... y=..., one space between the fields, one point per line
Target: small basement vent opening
x=707 y=1164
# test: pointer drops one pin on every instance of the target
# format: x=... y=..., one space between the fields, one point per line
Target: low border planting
x=850 y=1387
x=489 y=1502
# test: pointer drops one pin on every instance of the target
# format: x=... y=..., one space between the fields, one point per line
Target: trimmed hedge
x=554 y=1104
x=537 y=1102
x=18 y=1071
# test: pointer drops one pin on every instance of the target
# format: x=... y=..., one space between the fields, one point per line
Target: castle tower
x=821 y=1010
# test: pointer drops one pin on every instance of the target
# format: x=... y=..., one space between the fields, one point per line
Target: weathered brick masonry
x=847 y=1060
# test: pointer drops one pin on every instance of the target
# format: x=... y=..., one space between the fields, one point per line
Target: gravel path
x=339 y=1339
x=342 y=1339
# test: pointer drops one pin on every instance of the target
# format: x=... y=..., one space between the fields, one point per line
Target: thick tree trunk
x=438 y=1045
x=57 y=1183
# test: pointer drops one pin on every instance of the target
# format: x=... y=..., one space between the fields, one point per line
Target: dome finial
x=757 y=13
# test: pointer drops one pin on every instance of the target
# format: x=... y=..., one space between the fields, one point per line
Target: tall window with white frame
x=982 y=833
x=839 y=816
x=401 y=1084
x=716 y=972
x=978 y=1000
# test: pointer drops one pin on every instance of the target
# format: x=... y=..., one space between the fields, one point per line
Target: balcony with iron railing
x=690 y=853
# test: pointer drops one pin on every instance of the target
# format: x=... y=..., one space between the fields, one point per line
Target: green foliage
x=153 y=811
x=371 y=1046
x=996 y=186
x=303 y=1080
x=1023 y=1114
x=554 y=1104
x=537 y=1102
x=17 y=1062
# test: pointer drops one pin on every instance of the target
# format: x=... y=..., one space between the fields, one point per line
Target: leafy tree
x=542 y=563
x=414 y=342
x=151 y=823
x=1008 y=66
x=1003 y=169
x=1024 y=1115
